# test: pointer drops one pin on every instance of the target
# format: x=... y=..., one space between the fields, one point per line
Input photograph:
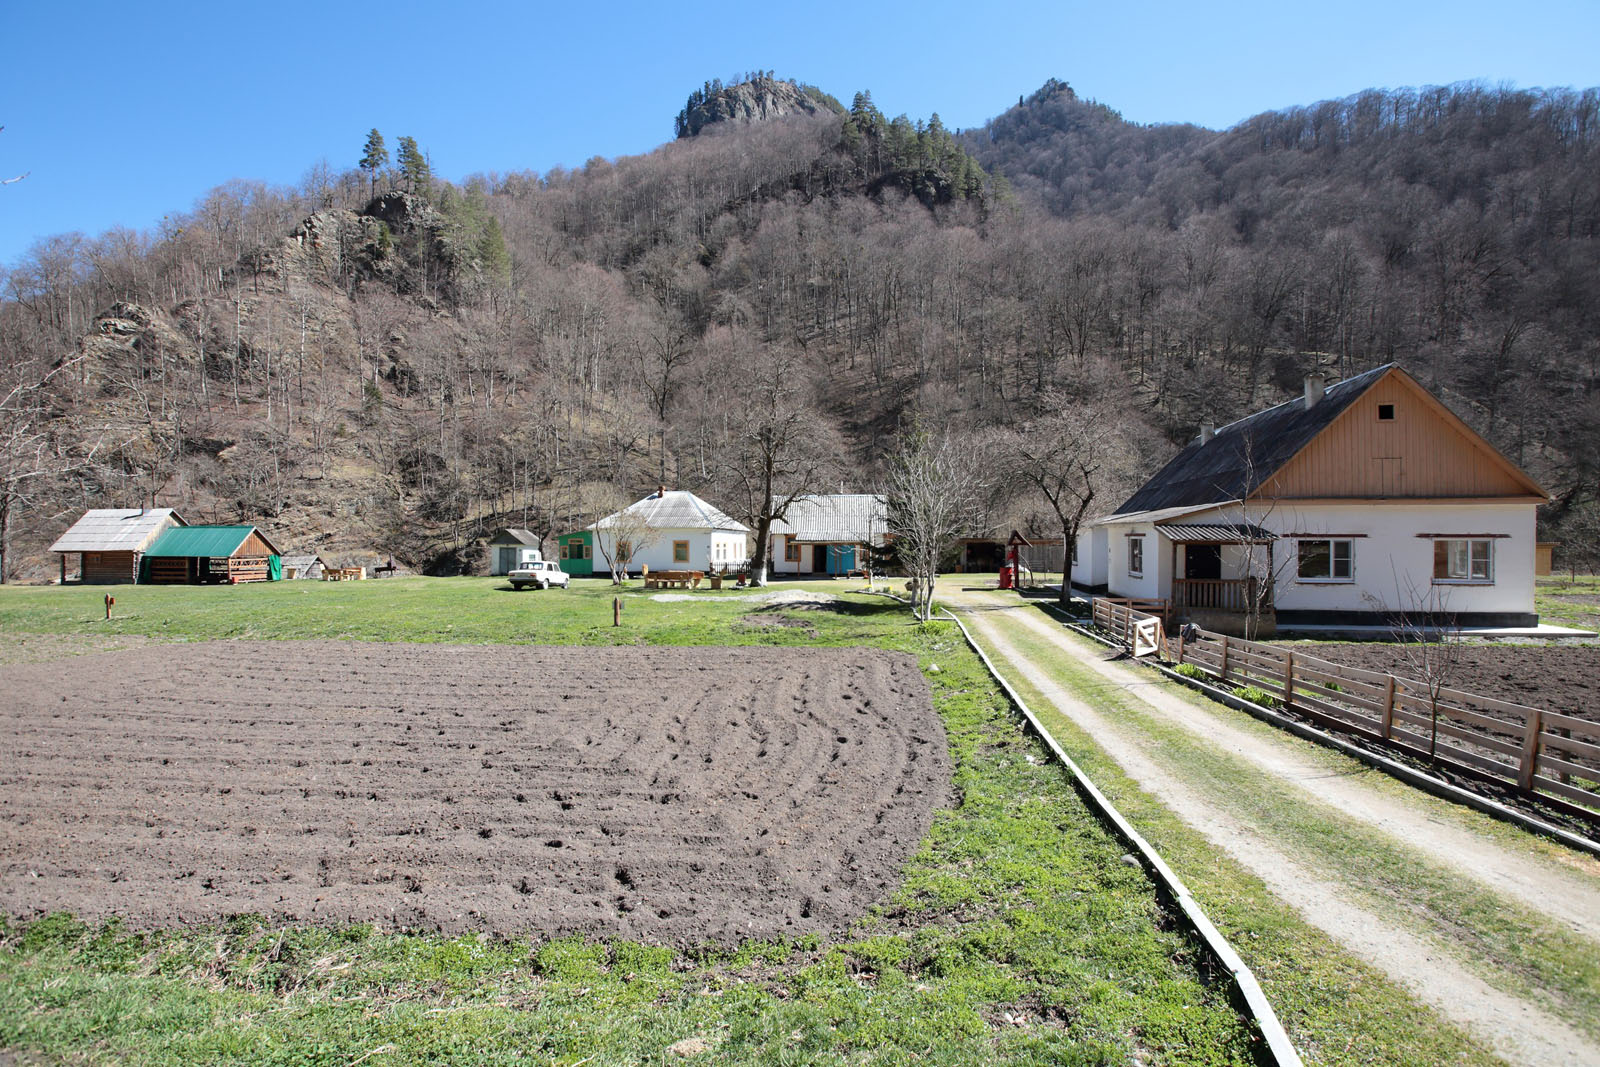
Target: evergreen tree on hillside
x=375 y=158
x=414 y=168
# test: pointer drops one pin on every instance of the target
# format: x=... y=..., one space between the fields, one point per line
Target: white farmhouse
x=1360 y=501
x=828 y=533
x=670 y=531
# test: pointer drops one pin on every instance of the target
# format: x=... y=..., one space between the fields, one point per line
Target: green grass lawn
x=1018 y=935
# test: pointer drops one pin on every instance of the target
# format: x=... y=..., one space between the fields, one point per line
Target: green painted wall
x=575 y=552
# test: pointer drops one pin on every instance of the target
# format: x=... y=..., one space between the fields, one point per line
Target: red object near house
x=1007 y=575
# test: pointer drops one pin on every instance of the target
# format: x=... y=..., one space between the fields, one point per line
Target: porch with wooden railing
x=1219 y=594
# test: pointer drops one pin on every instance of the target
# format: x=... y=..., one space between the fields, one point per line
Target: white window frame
x=1136 y=542
x=1471 y=558
x=1332 y=577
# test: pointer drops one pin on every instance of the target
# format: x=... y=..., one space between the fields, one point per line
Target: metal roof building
x=838 y=518
x=116 y=530
x=111 y=541
x=231 y=554
x=675 y=509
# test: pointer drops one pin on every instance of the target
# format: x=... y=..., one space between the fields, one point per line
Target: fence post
x=1288 y=679
x=1388 y=707
x=1530 y=750
x=1180 y=639
x=1223 y=673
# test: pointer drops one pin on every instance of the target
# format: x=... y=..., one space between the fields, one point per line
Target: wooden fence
x=1537 y=750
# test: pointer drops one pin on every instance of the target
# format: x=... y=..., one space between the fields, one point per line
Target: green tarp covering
x=274 y=568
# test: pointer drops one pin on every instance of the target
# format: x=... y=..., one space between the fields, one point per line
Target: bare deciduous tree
x=933 y=498
x=784 y=448
x=29 y=451
x=1075 y=455
x=619 y=538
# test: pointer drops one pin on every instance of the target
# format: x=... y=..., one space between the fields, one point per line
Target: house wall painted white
x=812 y=557
x=706 y=550
x=1391 y=565
x=1154 y=580
x=1392 y=568
x=1089 y=569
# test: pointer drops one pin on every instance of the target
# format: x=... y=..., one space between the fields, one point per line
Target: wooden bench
x=673 y=579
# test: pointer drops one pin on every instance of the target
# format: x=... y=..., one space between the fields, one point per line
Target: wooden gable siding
x=253 y=546
x=1423 y=452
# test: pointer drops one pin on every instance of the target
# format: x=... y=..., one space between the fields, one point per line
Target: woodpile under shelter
x=111 y=542
x=197 y=555
x=308 y=568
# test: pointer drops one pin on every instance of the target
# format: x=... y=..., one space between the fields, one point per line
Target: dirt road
x=1518 y=1026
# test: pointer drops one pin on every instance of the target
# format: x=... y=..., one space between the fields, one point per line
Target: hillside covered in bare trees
x=378 y=361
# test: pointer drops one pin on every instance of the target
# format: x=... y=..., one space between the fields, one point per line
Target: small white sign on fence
x=1146 y=637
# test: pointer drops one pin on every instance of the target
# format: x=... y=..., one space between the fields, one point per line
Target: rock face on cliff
x=757 y=99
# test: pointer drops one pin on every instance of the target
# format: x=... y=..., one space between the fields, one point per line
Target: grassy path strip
x=1505 y=944
x=1532 y=871
x=1325 y=902
x=1279 y=1047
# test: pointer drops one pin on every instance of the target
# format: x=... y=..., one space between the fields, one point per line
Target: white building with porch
x=829 y=533
x=1357 y=503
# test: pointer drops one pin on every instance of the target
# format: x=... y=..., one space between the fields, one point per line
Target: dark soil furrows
x=655 y=793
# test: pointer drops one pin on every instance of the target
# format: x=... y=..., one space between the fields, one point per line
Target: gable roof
x=515 y=535
x=115 y=529
x=853 y=518
x=674 y=509
x=1245 y=455
x=213 y=541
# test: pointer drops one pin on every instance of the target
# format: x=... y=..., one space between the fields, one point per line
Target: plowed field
x=665 y=794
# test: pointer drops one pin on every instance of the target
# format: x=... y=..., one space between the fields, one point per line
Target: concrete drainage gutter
x=1279 y=1049
x=1410 y=775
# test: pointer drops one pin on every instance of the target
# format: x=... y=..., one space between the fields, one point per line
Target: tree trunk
x=1067 y=540
x=758 y=560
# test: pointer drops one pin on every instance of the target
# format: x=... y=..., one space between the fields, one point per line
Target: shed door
x=508 y=560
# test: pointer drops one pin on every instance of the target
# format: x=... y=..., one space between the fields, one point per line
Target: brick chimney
x=1208 y=430
x=661 y=492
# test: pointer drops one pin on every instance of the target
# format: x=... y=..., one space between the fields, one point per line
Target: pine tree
x=414 y=167
x=375 y=159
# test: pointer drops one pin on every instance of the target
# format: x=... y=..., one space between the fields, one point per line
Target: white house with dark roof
x=1355 y=503
x=827 y=533
x=110 y=542
x=670 y=530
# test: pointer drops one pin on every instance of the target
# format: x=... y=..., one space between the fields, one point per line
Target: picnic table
x=673 y=579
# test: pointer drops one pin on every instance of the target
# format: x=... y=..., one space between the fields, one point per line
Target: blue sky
x=123 y=113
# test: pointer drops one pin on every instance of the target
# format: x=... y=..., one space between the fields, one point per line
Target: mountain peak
x=757 y=98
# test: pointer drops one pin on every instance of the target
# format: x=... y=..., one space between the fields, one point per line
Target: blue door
x=841 y=559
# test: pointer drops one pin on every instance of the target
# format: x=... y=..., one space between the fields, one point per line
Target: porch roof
x=1218 y=533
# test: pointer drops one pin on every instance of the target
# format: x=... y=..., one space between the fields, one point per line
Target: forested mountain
x=379 y=361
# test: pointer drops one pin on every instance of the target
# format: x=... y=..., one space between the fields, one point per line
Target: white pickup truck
x=542 y=573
